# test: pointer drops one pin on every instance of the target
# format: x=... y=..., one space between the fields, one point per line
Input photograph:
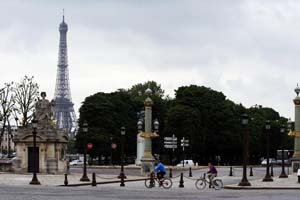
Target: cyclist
x=212 y=173
x=159 y=169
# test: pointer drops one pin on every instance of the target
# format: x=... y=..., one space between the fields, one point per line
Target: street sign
x=113 y=145
x=171 y=142
x=168 y=146
x=186 y=141
x=89 y=146
x=170 y=138
x=186 y=145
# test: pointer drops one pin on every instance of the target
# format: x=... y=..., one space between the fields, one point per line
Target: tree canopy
x=206 y=117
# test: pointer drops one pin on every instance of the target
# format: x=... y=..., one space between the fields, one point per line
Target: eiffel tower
x=63 y=110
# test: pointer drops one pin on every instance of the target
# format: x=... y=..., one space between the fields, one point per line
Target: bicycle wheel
x=167 y=183
x=218 y=184
x=200 y=184
x=148 y=183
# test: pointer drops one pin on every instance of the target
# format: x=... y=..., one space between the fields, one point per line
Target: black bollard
x=94 y=183
x=152 y=180
x=230 y=171
x=272 y=170
x=251 y=172
x=122 y=184
x=181 y=181
x=171 y=174
x=190 y=174
x=66 y=180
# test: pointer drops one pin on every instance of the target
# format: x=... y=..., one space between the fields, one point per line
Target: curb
x=259 y=188
x=104 y=182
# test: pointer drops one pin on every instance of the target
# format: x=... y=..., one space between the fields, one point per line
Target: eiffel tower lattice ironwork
x=63 y=110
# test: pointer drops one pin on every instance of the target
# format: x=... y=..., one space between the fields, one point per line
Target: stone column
x=296 y=133
x=147 y=159
x=139 y=148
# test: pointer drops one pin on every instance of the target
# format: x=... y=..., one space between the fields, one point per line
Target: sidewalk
x=278 y=183
x=54 y=180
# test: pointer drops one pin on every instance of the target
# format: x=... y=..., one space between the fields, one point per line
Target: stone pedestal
x=295 y=164
x=52 y=166
x=147 y=166
x=139 y=149
x=51 y=144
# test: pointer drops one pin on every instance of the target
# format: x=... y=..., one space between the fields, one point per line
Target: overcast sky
x=249 y=50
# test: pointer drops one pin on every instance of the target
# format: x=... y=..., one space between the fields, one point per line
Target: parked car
x=187 y=163
x=286 y=162
x=272 y=161
x=76 y=162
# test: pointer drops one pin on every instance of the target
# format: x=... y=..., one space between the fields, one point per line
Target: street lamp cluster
x=267 y=178
x=122 y=174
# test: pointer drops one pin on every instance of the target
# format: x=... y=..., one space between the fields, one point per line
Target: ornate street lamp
x=34 y=180
x=122 y=175
x=140 y=125
x=144 y=151
x=245 y=121
x=85 y=130
x=268 y=178
x=290 y=125
x=156 y=125
x=282 y=174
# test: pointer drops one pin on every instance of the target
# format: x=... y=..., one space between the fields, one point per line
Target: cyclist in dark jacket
x=212 y=173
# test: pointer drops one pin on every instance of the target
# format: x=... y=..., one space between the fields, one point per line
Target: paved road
x=115 y=192
x=137 y=190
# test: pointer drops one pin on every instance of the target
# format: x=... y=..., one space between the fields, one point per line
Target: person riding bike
x=160 y=170
x=212 y=173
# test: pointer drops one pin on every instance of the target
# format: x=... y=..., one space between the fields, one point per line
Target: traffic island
x=279 y=183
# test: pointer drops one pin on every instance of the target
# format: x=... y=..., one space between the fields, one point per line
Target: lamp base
x=34 y=181
x=244 y=183
x=84 y=178
x=267 y=179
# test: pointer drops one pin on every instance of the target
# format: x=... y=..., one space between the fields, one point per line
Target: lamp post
x=85 y=130
x=147 y=160
x=245 y=121
x=122 y=175
x=282 y=174
x=268 y=178
x=34 y=180
x=111 y=150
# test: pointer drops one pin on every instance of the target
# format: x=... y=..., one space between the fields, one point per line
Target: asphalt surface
x=116 y=192
x=137 y=190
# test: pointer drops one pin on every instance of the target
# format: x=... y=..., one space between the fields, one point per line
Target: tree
x=26 y=93
x=7 y=102
x=208 y=120
x=105 y=114
x=138 y=91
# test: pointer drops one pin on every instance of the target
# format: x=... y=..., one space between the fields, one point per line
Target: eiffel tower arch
x=64 y=113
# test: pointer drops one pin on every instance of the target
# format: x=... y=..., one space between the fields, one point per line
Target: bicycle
x=166 y=183
x=200 y=184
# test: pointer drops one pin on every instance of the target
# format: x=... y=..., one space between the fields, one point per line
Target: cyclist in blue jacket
x=160 y=170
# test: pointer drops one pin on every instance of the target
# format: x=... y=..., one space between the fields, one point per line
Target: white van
x=187 y=163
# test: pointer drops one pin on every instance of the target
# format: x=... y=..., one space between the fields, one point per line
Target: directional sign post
x=184 y=143
x=171 y=143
